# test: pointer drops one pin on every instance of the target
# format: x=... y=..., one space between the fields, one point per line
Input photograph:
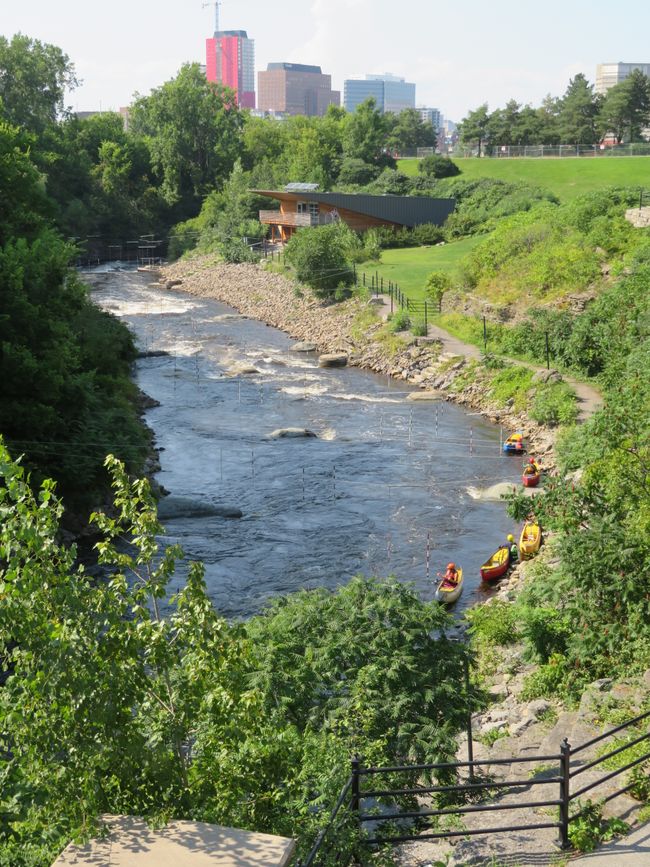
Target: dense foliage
x=579 y=117
x=121 y=700
x=321 y=257
x=65 y=387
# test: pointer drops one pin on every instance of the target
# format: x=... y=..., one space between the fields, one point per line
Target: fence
x=349 y=810
x=562 y=150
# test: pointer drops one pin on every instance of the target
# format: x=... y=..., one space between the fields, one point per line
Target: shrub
x=419 y=328
x=554 y=404
x=547 y=680
x=401 y=321
x=495 y=623
x=237 y=251
x=545 y=630
x=438 y=166
x=356 y=172
x=512 y=383
x=427 y=234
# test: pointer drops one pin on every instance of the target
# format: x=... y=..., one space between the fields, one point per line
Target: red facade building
x=230 y=60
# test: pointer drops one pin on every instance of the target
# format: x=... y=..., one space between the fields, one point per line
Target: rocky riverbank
x=354 y=328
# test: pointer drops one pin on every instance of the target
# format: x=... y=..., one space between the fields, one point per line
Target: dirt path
x=589 y=399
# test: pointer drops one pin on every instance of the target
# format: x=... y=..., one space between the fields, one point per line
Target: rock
x=147 y=402
x=425 y=395
x=547 y=376
x=152 y=353
x=537 y=708
x=227 y=317
x=303 y=346
x=291 y=433
x=517 y=728
x=171 y=283
x=497 y=725
x=601 y=685
x=333 y=359
x=183 y=507
x=376 y=302
x=241 y=368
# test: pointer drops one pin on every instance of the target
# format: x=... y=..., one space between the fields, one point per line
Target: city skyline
x=454 y=68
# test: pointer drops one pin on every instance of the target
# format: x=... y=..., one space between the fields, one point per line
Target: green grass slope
x=410 y=267
x=567 y=178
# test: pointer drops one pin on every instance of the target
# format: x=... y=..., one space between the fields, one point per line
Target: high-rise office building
x=609 y=74
x=230 y=60
x=390 y=92
x=295 y=88
x=432 y=116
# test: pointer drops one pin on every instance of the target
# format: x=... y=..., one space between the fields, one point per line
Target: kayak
x=497 y=565
x=448 y=593
x=530 y=477
x=530 y=540
x=514 y=444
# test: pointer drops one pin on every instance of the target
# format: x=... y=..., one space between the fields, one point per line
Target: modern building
x=295 y=88
x=230 y=60
x=390 y=92
x=609 y=74
x=432 y=116
x=301 y=205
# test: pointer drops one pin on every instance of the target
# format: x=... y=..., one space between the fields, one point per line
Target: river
x=388 y=485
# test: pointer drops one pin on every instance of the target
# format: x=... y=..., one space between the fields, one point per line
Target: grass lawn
x=567 y=177
x=410 y=267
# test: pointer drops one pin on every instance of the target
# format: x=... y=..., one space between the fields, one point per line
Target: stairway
x=534 y=738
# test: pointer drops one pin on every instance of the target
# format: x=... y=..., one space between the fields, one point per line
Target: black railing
x=353 y=795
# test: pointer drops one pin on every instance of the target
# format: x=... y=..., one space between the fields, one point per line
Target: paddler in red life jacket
x=532 y=467
x=451 y=575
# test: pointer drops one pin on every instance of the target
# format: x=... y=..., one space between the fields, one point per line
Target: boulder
x=241 y=368
x=184 y=507
x=303 y=346
x=424 y=395
x=152 y=353
x=171 y=283
x=547 y=376
x=291 y=433
x=333 y=359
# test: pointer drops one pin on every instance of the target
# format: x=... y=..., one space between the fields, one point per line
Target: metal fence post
x=355 y=803
x=565 y=770
x=426 y=322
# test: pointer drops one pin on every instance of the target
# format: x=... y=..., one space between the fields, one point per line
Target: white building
x=609 y=74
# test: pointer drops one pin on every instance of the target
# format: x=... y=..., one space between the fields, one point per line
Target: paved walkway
x=589 y=399
x=630 y=851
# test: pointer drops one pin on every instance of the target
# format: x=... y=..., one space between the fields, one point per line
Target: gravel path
x=589 y=399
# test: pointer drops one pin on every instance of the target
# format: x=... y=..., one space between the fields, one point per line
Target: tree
x=408 y=131
x=321 y=257
x=474 y=129
x=548 y=115
x=364 y=134
x=193 y=127
x=34 y=77
x=625 y=111
x=578 y=112
x=354 y=172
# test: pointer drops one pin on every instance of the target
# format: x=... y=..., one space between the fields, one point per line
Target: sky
x=459 y=54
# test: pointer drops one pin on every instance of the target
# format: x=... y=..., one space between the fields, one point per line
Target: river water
x=388 y=486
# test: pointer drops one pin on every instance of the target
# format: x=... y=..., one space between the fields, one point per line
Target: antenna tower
x=216 y=5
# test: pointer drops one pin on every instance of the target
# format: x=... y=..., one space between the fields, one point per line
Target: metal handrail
x=601 y=759
x=566 y=798
x=625 y=725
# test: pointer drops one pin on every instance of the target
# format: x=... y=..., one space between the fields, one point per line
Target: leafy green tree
x=409 y=131
x=364 y=134
x=320 y=256
x=193 y=127
x=474 y=129
x=34 y=77
x=578 y=112
x=548 y=115
x=625 y=111
x=354 y=172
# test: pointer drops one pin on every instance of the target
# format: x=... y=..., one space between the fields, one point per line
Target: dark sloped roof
x=404 y=210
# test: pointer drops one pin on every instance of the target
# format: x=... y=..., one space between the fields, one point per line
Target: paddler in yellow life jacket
x=513 y=548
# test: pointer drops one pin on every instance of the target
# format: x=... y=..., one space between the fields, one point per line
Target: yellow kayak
x=530 y=540
x=448 y=593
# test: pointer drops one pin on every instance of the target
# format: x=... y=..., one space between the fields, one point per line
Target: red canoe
x=497 y=565
x=531 y=478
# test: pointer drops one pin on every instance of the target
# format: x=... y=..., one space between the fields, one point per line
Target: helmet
x=511 y=538
x=451 y=565
x=531 y=460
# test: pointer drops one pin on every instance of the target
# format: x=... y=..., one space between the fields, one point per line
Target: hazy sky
x=459 y=54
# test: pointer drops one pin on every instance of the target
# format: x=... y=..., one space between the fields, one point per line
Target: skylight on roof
x=300 y=188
